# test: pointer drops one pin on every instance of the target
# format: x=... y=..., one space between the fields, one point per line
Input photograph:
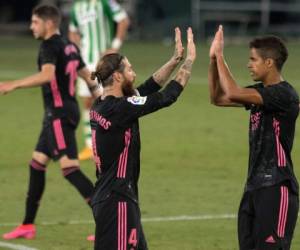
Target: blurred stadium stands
x=153 y=19
x=248 y=17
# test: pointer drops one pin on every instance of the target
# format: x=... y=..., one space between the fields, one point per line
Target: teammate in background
x=92 y=28
x=59 y=61
x=114 y=118
x=269 y=207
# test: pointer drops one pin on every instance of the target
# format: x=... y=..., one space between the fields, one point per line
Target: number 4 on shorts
x=133 y=238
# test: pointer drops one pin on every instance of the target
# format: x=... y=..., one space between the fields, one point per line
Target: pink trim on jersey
x=280 y=151
x=55 y=93
x=96 y=157
x=69 y=49
x=284 y=203
x=124 y=156
x=59 y=135
x=37 y=166
x=71 y=70
x=122 y=226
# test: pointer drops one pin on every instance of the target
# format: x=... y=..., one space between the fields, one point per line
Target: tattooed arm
x=185 y=70
x=162 y=74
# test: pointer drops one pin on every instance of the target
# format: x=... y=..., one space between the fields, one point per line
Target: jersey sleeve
x=116 y=11
x=73 y=24
x=48 y=53
x=275 y=97
x=253 y=86
x=148 y=87
x=131 y=108
x=81 y=62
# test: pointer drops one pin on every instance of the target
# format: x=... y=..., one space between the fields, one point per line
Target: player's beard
x=127 y=88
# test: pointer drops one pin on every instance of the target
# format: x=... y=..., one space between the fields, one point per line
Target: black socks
x=35 y=190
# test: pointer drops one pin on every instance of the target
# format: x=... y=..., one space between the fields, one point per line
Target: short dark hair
x=271 y=47
x=106 y=66
x=48 y=12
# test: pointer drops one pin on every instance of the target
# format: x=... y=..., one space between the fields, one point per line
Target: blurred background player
x=59 y=61
x=98 y=27
x=115 y=118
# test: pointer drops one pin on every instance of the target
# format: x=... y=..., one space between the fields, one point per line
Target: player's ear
x=270 y=62
x=117 y=76
x=48 y=23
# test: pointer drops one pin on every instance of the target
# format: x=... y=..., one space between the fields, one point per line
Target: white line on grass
x=190 y=217
x=153 y=219
x=15 y=246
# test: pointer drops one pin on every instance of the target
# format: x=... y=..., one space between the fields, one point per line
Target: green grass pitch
x=193 y=162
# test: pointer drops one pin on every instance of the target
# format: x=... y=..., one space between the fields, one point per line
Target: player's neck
x=272 y=79
x=112 y=91
x=50 y=33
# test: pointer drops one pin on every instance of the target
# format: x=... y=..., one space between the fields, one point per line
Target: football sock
x=79 y=181
x=35 y=190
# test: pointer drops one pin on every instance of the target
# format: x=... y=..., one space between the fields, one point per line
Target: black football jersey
x=60 y=92
x=271 y=136
x=116 y=136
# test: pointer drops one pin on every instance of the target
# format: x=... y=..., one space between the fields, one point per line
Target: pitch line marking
x=146 y=220
x=190 y=218
x=15 y=246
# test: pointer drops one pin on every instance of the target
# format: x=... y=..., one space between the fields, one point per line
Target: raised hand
x=164 y=72
x=185 y=70
x=179 y=49
x=212 y=47
x=219 y=41
x=191 y=51
x=191 y=48
x=217 y=45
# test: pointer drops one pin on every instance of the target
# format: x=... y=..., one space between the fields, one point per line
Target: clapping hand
x=217 y=45
x=179 y=49
x=191 y=48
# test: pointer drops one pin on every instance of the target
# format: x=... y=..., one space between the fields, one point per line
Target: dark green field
x=194 y=158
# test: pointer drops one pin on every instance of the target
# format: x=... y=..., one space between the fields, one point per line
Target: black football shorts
x=57 y=138
x=118 y=224
x=267 y=218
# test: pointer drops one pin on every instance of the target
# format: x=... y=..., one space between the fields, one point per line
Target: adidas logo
x=270 y=239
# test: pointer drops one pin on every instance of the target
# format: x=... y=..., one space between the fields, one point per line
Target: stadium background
x=194 y=155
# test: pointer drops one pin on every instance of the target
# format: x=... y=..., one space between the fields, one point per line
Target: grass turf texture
x=194 y=156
